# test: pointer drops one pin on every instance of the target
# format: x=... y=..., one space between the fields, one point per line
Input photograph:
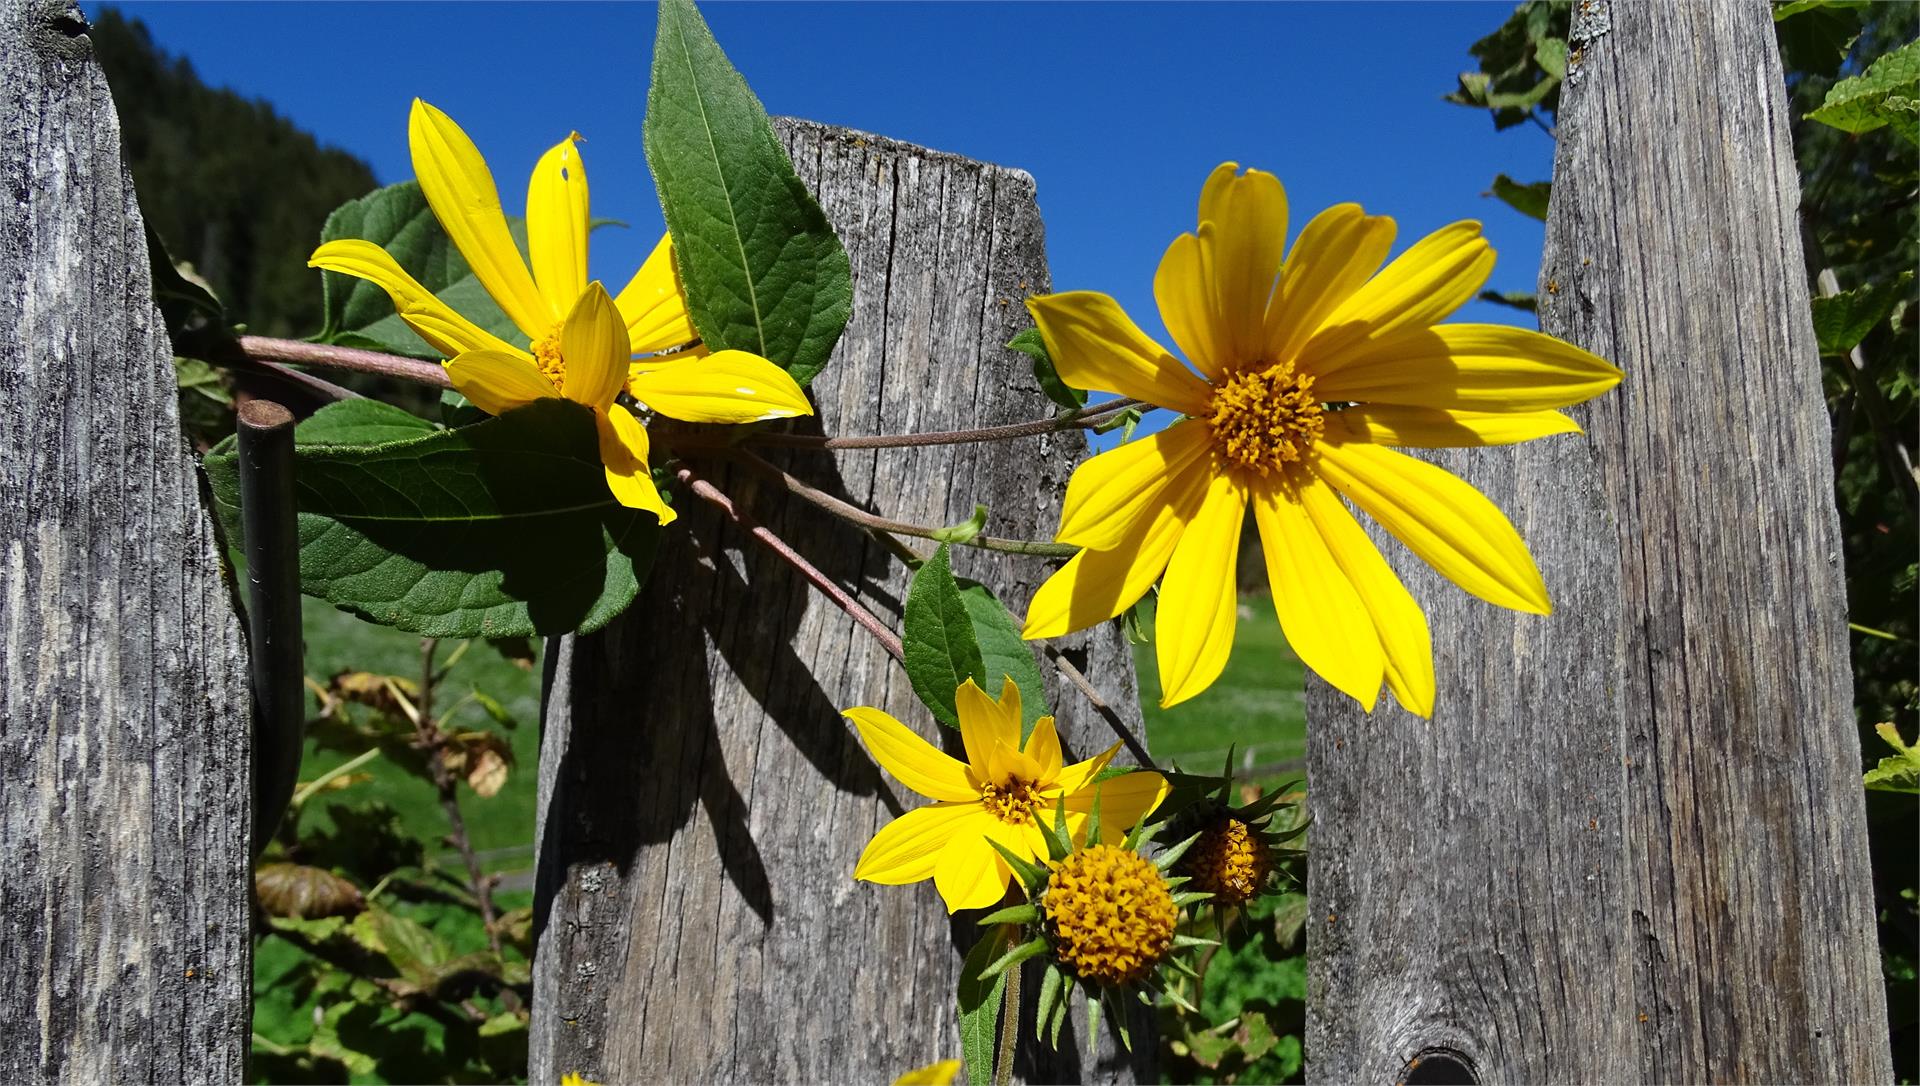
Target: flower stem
x=1085 y=417
x=429 y=736
x=714 y=496
x=1085 y=686
x=853 y=513
x=300 y=352
x=1009 y=1026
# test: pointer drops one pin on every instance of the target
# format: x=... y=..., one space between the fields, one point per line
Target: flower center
x=1265 y=420
x=1229 y=861
x=1012 y=802
x=546 y=355
x=1110 y=914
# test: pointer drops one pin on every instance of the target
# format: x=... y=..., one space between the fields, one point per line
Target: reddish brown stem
x=299 y=352
x=429 y=735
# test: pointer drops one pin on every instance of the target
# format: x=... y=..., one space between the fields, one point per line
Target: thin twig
x=713 y=495
x=300 y=352
x=1085 y=686
x=1085 y=417
x=306 y=793
x=435 y=741
x=850 y=512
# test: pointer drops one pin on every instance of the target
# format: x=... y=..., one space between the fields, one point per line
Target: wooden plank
x=702 y=802
x=1631 y=845
x=124 y=748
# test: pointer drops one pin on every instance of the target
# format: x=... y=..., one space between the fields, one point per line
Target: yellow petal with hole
x=1124 y=800
x=1449 y=524
x=1094 y=586
x=1109 y=494
x=968 y=873
x=623 y=450
x=593 y=343
x=1476 y=367
x=1243 y=232
x=984 y=723
x=654 y=306
x=912 y=760
x=1337 y=252
x=1094 y=344
x=497 y=382
x=1440 y=273
x=1320 y=612
x=444 y=329
x=1193 y=628
x=1044 y=747
x=1397 y=618
x=1436 y=428
x=906 y=849
x=460 y=190
x=1076 y=776
x=557 y=224
x=725 y=386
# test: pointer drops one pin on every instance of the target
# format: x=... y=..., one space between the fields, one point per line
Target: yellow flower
x=1110 y=914
x=579 y=342
x=999 y=792
x=933 y=1074
x=1309 y=366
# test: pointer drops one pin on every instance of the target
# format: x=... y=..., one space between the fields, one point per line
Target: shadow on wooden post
x=1631 y=846
x=702 y=801
x=124 y=746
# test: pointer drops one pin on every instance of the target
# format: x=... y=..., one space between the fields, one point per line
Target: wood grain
x=124 y=749
x=702 y=801
x=1631 y=845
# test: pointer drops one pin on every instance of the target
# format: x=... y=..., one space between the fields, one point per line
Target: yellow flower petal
x=1243 y=232
x=984 y=723
x=653 y=305
x=1043 y=746
x=1193 y=629
x=1436 y=428
x=1335 y=254
x=1094 y=344
x=594 y=344
x=497 y=382
x=1440 y=273
x=1124 y=800
x=623 y=449
x=1008 y=762
x=460 y=190
x=933 y=1074
x=1096 y=585
x=1182 y=288
x=1449 y=524
x=446 y=330
x=1076 y=776
x=968 y=873
x=1397 y=618
x=906 y=849
x=912 y=760
x=1483 y=367
x=1109 y=494
x=1321 y=614
x=557 y=224
x=725 y=386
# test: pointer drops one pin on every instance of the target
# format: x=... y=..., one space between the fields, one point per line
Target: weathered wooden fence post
x=124 y=749
x=1631 y=845
x=702 y=802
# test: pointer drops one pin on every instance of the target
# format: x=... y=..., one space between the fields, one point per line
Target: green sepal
x=1032 y=947
x=1032 y=876
x=1059 y=1014
x=966 y=530
x=1280 y=836
x=1093 y=1027
x=1119 y=1019
x=1052 y=994
x=1190 y=897
x=1093 y=818
x=1226 y=774
x=1174 y=997
x=1181 y=942
x=1059 y=841
x=1167 y=858
x=1181 y=966
x=1031 y=344
x=1141 y=831
x=1023 y=913
x=1176 y=881
x=980 y=1003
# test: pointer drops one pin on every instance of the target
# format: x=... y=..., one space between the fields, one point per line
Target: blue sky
x=1118 y=110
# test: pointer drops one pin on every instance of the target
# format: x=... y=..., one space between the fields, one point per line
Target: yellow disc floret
x=546 y=355
x=1011 y=802
x=1229 y=861
x=1265 y=420
x=1110 y=914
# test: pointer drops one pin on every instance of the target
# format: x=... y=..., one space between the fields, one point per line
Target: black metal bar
x=270 y=537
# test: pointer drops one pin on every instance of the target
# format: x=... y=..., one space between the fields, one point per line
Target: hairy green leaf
x=1003 y=654
x=764 y=271
x=505 y=528
x=938 y=642
x=1886 y=93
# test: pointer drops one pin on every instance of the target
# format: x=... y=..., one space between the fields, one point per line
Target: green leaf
x=1004 y=654
x=359 y=314
x=966 y=530
x=505 y=528
x=1883 y=94
x=1899 y=772
x=938 y=642
x=1031 y=344
x=763 y=270
x=1259 y=1037
x=980 y=1007
x=1031 y=948
x=1818 y=40
x=1842 y=320
x=1551 y=55
x=1528 y=198
x=1023 y=913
